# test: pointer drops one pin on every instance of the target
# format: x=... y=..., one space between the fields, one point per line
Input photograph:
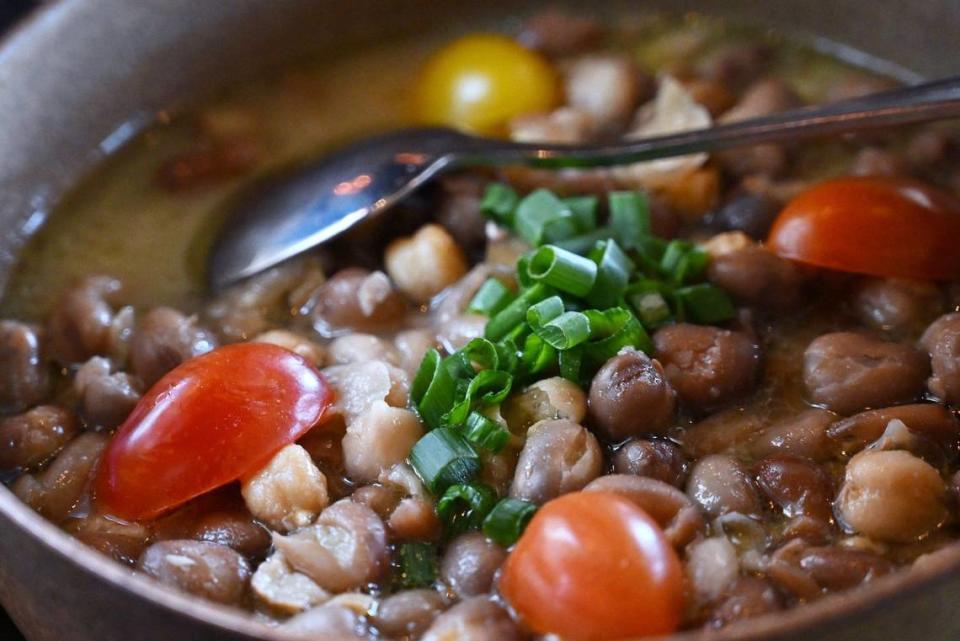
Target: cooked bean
x=346 y=548
x=706 y=365
x=737 y=63
x=24 y=375
x=565 y=396
x=60 y=487
x=208 y=570
x=720 y=484
x=80 y=324
x=930 y=146
x=382 y=499
x=757 y=160
x=891 y=496
x=459 y=209
x=424 y=264
x=535 y=404
x=755 y=276
x=329 y=621
x=412 y=345
x=408 y=613
x=897 y=305
x=728 y=430
x=276 y=584
x=835 y=568
x=378 y=439
x=558 y=457
x=942 y=341
x=564 y=125
x=475 y=619
x=288 y=492
x=469 y=564
x=313 y=352
x=355 y=299
x=657 y=459
x=934 y=422
x=31 y=438
x=762 y=98
x=752 y=214
x=360 y=385
x=359 y=348
x=605 y=87
x=803 y=435
x=106 y=398
x=798 y=487
x=848 y=372
x=456 y=332
x=556 y=33
x=234 y=529
x=669 y=507
x=748 y=596
x=163 y=339
x=630 y=396
x=712 y=567
x=856 y=84
x=873 y=161
x=415 y=519
x=124 y=542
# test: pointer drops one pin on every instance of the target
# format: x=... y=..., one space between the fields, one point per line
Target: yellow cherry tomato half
x=480 y=82
x=592 y=566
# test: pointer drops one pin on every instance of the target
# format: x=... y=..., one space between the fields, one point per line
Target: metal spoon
x=298 y=211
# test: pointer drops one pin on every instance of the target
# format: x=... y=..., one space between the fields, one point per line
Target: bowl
x=81 y=77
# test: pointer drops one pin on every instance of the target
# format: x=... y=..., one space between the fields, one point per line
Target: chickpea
x=313 y=352
x=712 y=567
x=566 y=396
x=426 y=263
x=289 y=492
x=891 y=496
x=378 y=439
x=359 y=348
x=605 y=87
x=358 y=300
x=942 y=341
x=276 y=584
x=558 y=457
x=630 y=396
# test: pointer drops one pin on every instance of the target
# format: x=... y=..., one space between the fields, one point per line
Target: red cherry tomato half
x=592 y=566
x=892 y=227
x=208 y=422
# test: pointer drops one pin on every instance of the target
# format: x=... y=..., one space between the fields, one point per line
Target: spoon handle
x=935 y=100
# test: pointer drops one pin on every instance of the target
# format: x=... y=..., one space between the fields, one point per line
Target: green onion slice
x=499 y=202
x=613 y=272
x=613 y=330
x=490 y=298
x=691 y=266
x=562 y=270
x=584 y=243
x=488 y=387
x=629 y=217
x=443 y=457
x=584 y=209
x=540 y=212
x=537 y=355
x=485 y=433
x=571 y=363
x=433 y=391
x=560 y=329
x=417 y=565
x=704 y=303
x=463 y=507
x=507 y=521
x=515 y=313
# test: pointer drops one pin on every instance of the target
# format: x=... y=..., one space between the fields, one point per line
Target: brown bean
x=24 y=375
x=762 y=98
x=669 y=507
x=80 y=324
x=475 y=619
x=406 y=614
x=328 y=622
x=856 y=84
x=930 y=146
x=874 y=161
x=469 y=564
x=630 y=396
x=752 y=214
x=163 y=339
x=847 y=372
x=657 y=459
x=748 y=597
x=124 y=542
x=758 y=160
x=707 y=366
x=355 y=299
x=382 y=499
x=897 y=305
x=208 y=570
x=755 y=276
x=798 y=487
x=459 y=209
x=556 y=33
x=558 y=457
x=942 y=341
x=30 y=439
x=737 y=63
x=804 y=435
x=720 y=484
x=728 y=430
x=415 y=519
x=105 y=398
x=60 y=487
x=934 y=422
x=835 y=568
x=217 y=517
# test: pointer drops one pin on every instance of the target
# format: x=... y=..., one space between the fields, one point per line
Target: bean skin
x=658 y=459
x=630 y=396
x=208 y=570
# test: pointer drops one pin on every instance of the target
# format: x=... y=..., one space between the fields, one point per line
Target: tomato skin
x=208 y=422
x=894 y=227
x=592 y=566
x=479 y=82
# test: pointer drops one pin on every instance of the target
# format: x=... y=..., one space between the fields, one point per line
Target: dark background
x=10 y=10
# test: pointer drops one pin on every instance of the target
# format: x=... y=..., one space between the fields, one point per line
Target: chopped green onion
x=485 y=433
x=463 y=508
x=560 y=329
x=562 y=270
x=571 y=363
x=558 y=229
x=490 y=298
x=537 y=212
x=613 y=272
x=691 y=266
x=537 y=355
x=499 y=202
x=649 y=252
x=488 y=387
x=614 y=329
x=481 y=352
x=514 y=313
x=443 y=457
x=584 y=243
x=507 y=521
x=584 y=210
x=674 y=253
x=433 y=391
x=652 y=308
x=704 y=303
x=416 y=565
x=629 y=217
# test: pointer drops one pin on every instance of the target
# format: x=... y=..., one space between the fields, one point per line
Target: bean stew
x=583 y=404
